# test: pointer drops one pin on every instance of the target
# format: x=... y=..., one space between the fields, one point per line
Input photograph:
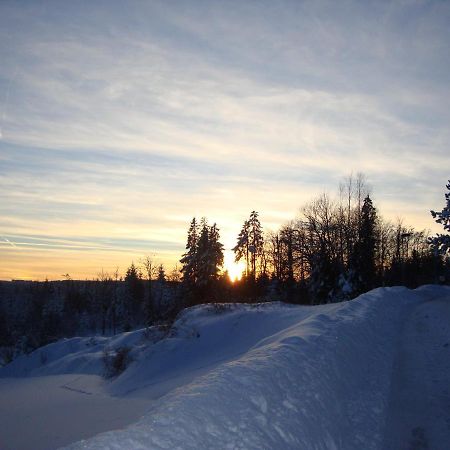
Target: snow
x=51 y=411
x=266 y=376
x=420 y=408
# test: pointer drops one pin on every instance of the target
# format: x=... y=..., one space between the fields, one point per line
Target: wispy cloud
x=127 y=121
x=12 y=244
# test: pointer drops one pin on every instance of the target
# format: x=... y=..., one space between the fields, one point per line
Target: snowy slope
x=269 y=376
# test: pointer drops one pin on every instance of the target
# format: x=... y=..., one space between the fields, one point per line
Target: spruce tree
x=441 y=242
x=133 y=280
x=161 y=274
x=203 y=260
x=256 y=240
x=135 y=294
x=250 y=244
x=362 y=267
x=366 y=246
x=202 y=255
x=215 y=252
x=241 y=250
x=189 y=258
x=209 y=256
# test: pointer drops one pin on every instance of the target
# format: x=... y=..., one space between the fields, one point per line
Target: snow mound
x=278 y=377
x=78 y=355
x=265 y=376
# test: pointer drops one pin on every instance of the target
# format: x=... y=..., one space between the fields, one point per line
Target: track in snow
x=419 y=411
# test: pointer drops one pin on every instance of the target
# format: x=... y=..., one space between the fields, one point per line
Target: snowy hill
x=268 y=376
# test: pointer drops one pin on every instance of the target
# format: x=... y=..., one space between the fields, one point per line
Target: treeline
x=35 y=313
x=335 y=250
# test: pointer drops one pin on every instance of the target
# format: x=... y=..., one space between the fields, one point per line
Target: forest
x=336 y=249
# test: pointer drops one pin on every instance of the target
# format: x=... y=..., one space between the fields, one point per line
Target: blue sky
x=120 y=121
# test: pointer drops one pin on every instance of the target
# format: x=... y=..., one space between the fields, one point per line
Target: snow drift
x=268 y=376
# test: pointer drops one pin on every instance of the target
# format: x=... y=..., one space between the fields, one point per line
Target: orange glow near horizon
x=234 y=269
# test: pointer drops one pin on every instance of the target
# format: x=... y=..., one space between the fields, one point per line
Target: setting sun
x=234 y=269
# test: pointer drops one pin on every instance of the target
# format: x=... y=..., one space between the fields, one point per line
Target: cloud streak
x=126 y=122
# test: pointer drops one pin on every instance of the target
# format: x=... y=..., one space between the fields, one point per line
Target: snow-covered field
x=269 y=376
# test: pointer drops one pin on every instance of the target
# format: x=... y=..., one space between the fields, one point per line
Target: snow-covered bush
x=116 y=362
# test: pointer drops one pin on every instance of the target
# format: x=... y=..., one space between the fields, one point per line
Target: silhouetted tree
x=189 y=258
x=150 y=271
x=241 y=250
x=135 y=294
x=363 y=258
x=441 y=242
x=256 y=241
x=203 y=260
x=209 y=259
x=202 y=256
x=215 y=253
x=161 y=273
x=250 y=244
x=323 y=259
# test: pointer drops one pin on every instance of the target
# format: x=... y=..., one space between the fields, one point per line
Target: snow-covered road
x=419 y=412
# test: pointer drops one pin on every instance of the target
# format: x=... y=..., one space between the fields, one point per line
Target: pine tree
x=202 y=255
x=133 y=280
x=287 y=241
x=161 y=273
x=160 y=291
x=241 y=250
x=366 y=247
x=256 y=240
x=250 y=244
x=135 y=293
x=209 y=255
x=360 y=274
x=215 y=251
x=441 y=242
x=189 y=258
x=203 y=260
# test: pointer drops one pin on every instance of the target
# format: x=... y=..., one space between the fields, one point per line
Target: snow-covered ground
x=269 y=376
x=419 y=413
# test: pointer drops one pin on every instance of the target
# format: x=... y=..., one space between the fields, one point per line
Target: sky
x=120 y=121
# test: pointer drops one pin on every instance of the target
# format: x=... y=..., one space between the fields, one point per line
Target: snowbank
x=81 y=355
x=319 y=381
x=269 y=376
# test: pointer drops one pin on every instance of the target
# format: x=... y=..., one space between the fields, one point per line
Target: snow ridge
x=319 y=381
